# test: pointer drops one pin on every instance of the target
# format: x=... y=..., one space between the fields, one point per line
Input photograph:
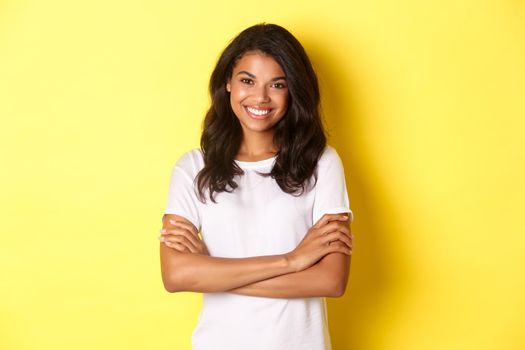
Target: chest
x=258 y=218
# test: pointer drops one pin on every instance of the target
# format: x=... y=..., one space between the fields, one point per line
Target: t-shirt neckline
x=256 y=164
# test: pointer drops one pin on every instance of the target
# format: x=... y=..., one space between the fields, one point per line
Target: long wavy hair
x=299 y=135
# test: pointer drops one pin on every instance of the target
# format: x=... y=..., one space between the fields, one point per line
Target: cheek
x=238 y=94
x=282 y=100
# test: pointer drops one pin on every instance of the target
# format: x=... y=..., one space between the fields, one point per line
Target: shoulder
x=329 y=158
x=191 y=161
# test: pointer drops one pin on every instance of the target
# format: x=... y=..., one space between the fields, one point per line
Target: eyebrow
x=253 y=76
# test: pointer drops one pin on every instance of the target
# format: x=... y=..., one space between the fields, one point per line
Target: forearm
x=327 y=278
x=206 y=274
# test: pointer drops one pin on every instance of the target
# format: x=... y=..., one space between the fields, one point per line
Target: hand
x=183 y=237
x=330 y=234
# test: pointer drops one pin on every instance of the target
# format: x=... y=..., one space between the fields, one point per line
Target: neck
x=257 y=145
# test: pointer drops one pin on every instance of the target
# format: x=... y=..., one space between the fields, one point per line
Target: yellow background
x=424 y=102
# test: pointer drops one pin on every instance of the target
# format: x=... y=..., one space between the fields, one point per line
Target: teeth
x=258 y=111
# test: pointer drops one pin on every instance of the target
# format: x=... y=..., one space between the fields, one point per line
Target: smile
x=258 y=111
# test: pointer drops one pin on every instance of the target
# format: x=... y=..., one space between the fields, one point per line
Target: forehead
x=254 y=61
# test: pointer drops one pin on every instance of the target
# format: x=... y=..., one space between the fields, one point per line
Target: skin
x=317 y=267
x=258 y=81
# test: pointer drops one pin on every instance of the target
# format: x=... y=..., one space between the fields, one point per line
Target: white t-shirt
x=258 y=218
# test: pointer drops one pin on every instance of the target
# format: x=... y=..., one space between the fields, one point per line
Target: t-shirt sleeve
x=331 y=196
x=182 y=198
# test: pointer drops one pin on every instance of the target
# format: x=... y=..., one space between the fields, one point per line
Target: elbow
x=337 y=287
x=335 y=270
x=171 y=284
x=177 y=275
x=337 y=290
x=176 y=280
x=338 y=283
x=171 y=287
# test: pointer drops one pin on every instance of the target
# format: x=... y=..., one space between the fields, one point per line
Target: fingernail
x=172 y=221
x=163 y=230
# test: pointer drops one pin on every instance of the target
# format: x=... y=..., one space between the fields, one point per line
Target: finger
x=186 y=246
x=338 y=217
x=194 y=243
x=325 y=219
x=181 y=240
x=338 y=248
x=334 y=226
x=190 y=227
x=177 y=246
x=346 y=240
x=336 y=236
x=330 y=217
x=343 y=227
x=340 y=244
x=183 y=232
x=343 y=239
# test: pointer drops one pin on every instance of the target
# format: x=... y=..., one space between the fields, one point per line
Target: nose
x=262 y=94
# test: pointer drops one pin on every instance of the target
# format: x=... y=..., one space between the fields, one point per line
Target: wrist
x=290 y=262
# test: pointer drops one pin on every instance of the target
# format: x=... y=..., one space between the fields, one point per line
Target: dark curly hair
x=299 y=135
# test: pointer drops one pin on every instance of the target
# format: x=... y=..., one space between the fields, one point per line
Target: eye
x=279 y=85
x=246 y=81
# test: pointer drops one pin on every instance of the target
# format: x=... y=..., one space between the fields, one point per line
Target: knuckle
x=341 y=224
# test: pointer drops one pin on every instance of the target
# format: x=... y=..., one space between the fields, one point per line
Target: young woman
x=269 y=198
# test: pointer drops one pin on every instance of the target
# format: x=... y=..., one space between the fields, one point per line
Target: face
x=258 y=92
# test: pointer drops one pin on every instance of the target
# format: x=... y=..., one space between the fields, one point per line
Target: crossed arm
x=327 y=278
x=186 y=265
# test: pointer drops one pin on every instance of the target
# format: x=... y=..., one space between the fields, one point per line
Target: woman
x=268 y=196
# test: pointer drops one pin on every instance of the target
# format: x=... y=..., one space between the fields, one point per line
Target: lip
x=259 y=117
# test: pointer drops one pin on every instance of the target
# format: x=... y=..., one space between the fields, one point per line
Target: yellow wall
x=425 y=103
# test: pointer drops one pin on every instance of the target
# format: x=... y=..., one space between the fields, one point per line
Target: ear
x=228 y=86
